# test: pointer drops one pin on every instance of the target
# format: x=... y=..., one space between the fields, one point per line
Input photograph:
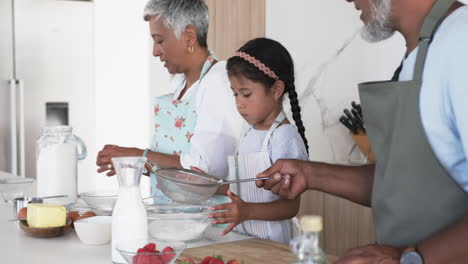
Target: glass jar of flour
x=57 y=153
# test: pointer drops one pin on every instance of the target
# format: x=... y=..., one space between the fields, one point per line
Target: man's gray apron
x=413 y=195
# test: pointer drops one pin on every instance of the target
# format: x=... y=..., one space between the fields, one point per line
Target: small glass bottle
x=306 y=246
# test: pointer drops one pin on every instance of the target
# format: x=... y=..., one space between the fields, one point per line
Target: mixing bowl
x=102 y=200
x=171 y=221
x=12 y=187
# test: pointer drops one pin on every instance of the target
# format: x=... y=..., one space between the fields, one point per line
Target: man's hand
x=287 y=178
x=234 y=213
x=371 y=254
x=104 y=157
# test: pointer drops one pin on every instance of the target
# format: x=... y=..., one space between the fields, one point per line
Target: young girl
x=261 y=72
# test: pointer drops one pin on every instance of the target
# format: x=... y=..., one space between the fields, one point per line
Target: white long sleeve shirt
x=219 y=125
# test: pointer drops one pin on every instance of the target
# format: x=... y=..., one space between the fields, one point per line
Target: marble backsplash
x=330 y=59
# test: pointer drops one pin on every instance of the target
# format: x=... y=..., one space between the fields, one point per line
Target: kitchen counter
x=16 y=247
x=250 y=251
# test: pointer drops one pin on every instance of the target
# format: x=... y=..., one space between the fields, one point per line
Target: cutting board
x=250 y=251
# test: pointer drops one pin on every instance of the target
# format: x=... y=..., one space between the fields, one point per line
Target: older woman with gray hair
x=196 y=124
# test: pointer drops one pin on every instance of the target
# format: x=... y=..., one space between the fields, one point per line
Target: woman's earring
x=190 y=49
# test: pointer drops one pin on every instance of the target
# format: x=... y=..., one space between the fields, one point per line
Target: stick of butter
x=46 y=215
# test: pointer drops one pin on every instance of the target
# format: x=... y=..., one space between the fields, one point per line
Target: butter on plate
x=46 y=215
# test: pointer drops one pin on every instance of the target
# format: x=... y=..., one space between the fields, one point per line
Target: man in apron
x=417 y=194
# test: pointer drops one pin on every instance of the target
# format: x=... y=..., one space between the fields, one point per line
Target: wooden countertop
x=250 y=251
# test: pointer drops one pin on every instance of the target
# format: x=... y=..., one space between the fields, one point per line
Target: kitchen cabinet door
x=347 y=225
x=234 y=22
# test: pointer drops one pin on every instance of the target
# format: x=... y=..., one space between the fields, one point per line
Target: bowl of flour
x=170 y=221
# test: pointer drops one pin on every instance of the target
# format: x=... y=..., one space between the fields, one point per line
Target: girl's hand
x=234 y=213
x=196 y=169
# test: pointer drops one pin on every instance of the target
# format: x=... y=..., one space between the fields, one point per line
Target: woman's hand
x=287 y=178
x=104 y=162
x=234 y=213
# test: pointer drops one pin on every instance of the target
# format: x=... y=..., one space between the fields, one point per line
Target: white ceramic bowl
x=95 y=230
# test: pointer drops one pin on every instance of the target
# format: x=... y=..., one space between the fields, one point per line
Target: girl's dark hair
x=277 y=58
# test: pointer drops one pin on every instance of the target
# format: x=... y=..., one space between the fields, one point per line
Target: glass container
x=57 y=153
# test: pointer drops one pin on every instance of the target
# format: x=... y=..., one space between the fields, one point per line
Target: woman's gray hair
x=178 y=14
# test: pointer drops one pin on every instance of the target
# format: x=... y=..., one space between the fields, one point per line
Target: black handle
x=348 y=124
x=356 y=122
x=358 y=119
x=357 y=107
x=350 y=117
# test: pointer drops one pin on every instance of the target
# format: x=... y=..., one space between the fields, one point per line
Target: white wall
x=121 y=81
x=330 y=59
x=54 y=58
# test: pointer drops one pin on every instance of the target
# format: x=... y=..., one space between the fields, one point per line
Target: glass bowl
x=12 y=187
x=101 y=200
x=129 y=251
x=170 y=221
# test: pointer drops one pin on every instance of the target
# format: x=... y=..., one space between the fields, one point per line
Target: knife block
x=362 y=141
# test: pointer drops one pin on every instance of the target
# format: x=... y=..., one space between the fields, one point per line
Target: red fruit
x=155 y=259
x=206 y=260
x=233 y=261
x=216 y=261
x=145 y=259
x=136 y=259
x=151 y=247
x=166 y=258
x=168 y=249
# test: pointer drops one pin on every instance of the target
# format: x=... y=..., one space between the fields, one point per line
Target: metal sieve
x=190 y=187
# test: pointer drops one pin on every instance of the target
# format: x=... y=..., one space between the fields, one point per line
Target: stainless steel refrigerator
x=46 y=74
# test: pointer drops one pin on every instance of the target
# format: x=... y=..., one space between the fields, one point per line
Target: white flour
x=129 y=221
x=56 y=172
x=173 y=229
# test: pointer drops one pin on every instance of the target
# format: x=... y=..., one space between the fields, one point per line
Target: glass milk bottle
x=57 y=152
x=129 y=219
x=306 y=246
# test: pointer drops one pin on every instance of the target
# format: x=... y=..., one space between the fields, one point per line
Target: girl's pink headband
x=257 y=64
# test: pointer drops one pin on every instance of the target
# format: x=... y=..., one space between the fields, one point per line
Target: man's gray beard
x=379 y=26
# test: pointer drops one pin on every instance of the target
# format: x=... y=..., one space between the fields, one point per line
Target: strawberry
x=206 y=260
x=147 y=259
x=168 y=249
x=166 y=258
x=150 y=247
x=136 y=259
x=216 y=261
x=155 y=259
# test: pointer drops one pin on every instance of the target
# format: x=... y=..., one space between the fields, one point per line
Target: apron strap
x=206 y=67
x=281 y=116
x=431 y=24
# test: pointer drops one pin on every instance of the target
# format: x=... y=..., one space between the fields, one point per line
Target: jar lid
x=311 y=223
x=56 y=129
